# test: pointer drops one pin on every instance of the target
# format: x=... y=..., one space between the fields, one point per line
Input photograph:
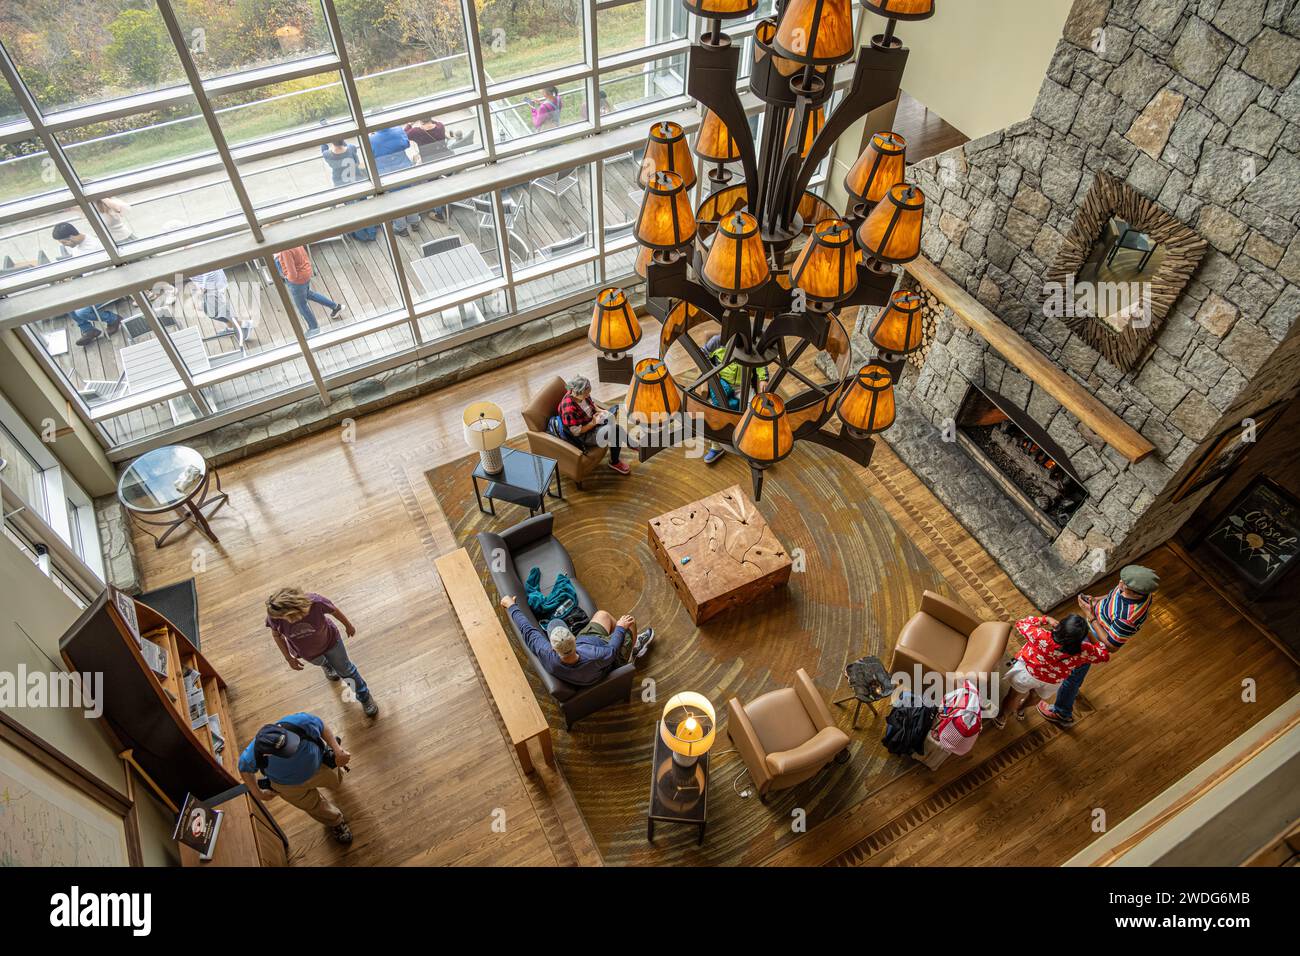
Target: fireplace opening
x=1020 y=456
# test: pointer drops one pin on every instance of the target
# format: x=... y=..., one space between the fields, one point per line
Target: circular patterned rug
x=856 y=582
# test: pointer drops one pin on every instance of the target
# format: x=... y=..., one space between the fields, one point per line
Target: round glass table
x=170 y=487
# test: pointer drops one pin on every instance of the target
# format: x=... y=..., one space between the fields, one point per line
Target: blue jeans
x=85 y=316
x=302 y=294
x=1064 y=704
x=337 y=658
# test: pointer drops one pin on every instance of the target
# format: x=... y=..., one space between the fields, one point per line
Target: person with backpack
x=301 y=628
x=1051 y=651
x=580 y=418
x=297 y=756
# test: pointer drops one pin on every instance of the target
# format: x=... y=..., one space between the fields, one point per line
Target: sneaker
x=334 y=312
x=713 y=454
x=114 y=326
x=89 y=337
x=620 y=467
x=643 y=642
x=330 y=673
x=369 y=707
x=342 y=832
x=417 y=226
x=1049 y=713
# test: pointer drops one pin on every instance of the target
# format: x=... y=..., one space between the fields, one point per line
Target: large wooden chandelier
x=723 y=271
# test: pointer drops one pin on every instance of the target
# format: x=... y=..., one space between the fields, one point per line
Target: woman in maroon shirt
x=302 y=630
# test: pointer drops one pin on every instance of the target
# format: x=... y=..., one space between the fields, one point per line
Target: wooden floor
x=434 y=773
x=927 y=132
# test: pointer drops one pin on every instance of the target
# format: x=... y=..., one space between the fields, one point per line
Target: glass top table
x=175 y=479
x=525 y=480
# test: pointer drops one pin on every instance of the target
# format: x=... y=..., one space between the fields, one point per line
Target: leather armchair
x=516 y=551
x=944 y=638
x=785 y=736
x=573 y=462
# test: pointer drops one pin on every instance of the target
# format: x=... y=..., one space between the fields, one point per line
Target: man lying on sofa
x=585 y=658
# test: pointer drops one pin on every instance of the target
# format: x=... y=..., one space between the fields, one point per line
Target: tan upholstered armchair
x=785 y=736
x=573 y=462
x=944 y=638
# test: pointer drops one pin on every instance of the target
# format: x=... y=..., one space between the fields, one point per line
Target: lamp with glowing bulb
x=666 y=150
x=880 y=167
x=868 y=404
x=899 y=327
x=891 y=233
x=688 y=727
x=737 y=260
x=827 y=266
x=615 y=332
x=715 y=144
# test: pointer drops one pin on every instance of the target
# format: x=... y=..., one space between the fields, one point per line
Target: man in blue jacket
x=390 y=146
x=297 y=756
x=585 y=658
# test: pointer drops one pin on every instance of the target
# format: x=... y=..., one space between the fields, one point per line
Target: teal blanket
x=543 y=605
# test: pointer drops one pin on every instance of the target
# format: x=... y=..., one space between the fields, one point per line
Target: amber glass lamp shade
x=666 y=149
x=713 y=142
x=721 y=9
x=652 y=393
x=868 y=405
x=816 y=31
x=642 y=264
x=666 y=220
x=899 y=326
x=763 y=435
x=901 y=9
x=892 y=231
x=816 y=120
x=614 y=327
x=827 y=266
x=880 y=167
x=737 y=261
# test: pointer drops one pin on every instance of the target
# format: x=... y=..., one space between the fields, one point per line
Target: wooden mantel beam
x=1041 y=370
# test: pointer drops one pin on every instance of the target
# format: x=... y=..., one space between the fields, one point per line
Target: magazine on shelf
x=198 y=705
x=197 y=826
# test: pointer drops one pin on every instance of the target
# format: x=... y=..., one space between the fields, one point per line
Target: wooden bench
x=496 y=657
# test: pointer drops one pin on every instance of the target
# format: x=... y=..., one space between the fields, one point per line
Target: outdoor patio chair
x=434 y=246
x=564 y=246
x=97 y=391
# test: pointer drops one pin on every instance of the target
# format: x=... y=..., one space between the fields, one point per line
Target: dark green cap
x=1140 y=579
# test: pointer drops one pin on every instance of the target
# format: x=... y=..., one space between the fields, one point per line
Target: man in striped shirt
x=1114 y=619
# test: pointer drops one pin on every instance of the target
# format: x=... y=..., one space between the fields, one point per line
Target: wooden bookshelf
x=149 y=713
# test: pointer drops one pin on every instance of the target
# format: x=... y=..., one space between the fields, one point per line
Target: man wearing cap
x=1114 y=619
x=297 y=763
x=584 y=658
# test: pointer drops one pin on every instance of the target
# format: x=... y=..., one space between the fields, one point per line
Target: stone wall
x=1196 y=105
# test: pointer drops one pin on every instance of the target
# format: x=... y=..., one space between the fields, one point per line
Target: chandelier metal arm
x=877 y=79
x=711 y=79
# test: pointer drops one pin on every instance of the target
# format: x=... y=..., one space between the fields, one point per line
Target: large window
x=109 y=153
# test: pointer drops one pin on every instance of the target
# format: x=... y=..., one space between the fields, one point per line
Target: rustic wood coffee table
x=719 y=553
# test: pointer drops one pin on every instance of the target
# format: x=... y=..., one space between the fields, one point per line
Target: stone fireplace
x=1177 y=101
x=1024 y=461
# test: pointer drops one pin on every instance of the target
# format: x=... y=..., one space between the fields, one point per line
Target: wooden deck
x=360 y=276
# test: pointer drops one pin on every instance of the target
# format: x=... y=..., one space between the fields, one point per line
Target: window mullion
x=209 y=116
x=475 y=49
x=350 y=89
x=403 y=280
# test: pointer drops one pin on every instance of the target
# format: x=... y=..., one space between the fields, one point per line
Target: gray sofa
x=529 y=545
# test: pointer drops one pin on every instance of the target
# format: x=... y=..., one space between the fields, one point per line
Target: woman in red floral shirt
x=1052 y=649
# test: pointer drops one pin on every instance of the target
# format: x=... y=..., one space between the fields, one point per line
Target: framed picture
x=1226 y=453
x=82 y=820
x=1259 y=533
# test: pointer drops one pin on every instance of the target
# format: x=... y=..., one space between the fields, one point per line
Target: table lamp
x=688 y=727
x=485 y=432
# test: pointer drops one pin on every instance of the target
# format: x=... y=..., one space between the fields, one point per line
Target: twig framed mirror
x=1122 y=267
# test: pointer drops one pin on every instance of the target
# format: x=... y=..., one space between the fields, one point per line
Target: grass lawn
x=151 y=146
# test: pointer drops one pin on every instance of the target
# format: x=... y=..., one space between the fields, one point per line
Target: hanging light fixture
x=891 y=233
x=868 y=405
x=827 y=267
x=614 y=328
x=666 y=150
x=880 y=167
x=899 y=326
x=718 y=271
x=737 y=261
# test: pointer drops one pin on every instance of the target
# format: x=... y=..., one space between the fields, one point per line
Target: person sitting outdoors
x=76 y=243
x=1052 y=650
x=430 y=136
x=584 y=658
x=344 y=162
x=390 y=146
x=580 y=417
x=546 y=110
